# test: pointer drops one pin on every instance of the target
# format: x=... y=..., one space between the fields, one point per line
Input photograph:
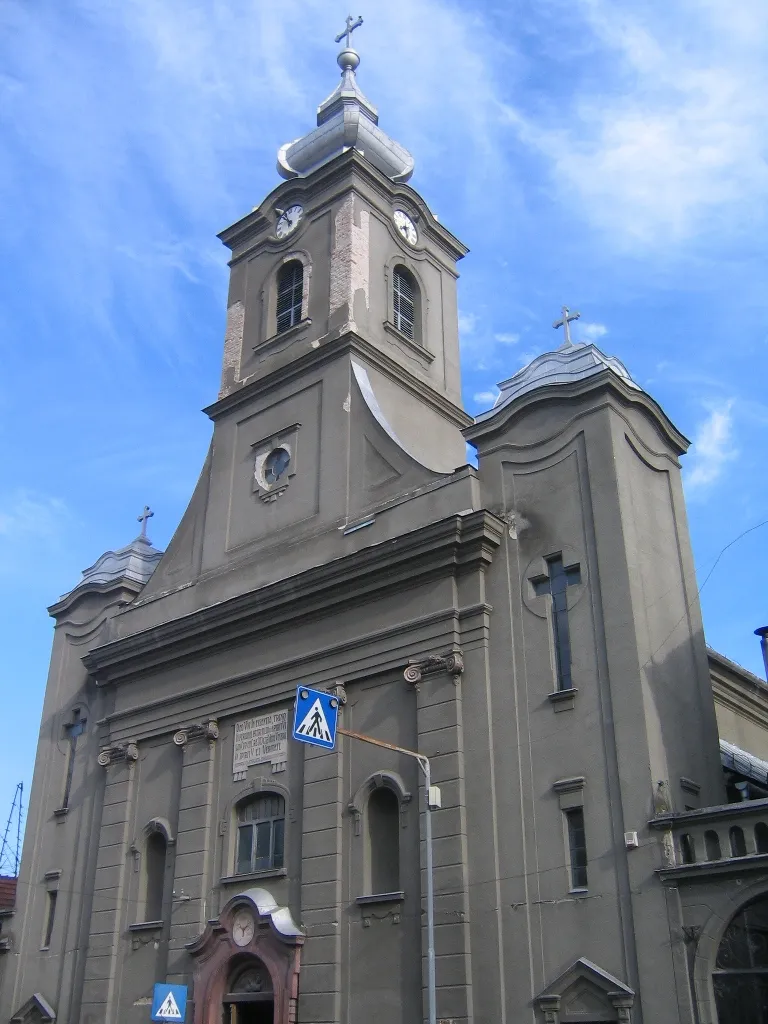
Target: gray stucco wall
x=369 y=558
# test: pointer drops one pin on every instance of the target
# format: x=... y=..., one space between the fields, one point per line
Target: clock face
x=243 y=927
x=406 y=227
x=288 y=220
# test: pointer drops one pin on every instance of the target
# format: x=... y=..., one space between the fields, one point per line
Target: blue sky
x=606 y=154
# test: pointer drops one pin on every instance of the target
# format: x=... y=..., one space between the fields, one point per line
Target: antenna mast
x=10 y=850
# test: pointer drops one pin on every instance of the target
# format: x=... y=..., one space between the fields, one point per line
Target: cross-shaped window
x=556 y=585
x=73 y=729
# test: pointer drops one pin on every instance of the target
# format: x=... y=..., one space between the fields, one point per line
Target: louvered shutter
x=290 y=282
x=404 y=303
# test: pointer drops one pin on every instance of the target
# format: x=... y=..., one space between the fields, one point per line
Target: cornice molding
x=339 y=175
x=607 y=380
x=330 y=348
x=68 y=601
x=461 y=543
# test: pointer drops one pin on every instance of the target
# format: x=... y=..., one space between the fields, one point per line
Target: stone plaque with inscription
x=260 y=739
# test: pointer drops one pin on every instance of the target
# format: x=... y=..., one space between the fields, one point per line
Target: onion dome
x=346 y=120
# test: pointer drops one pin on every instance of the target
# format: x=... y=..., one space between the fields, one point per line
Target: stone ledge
x=563 y=700
x=145 y=926
x=382 y=897
x=254 y=876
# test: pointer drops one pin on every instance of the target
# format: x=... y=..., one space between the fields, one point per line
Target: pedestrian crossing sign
x=169 y=1002
x=316 y=716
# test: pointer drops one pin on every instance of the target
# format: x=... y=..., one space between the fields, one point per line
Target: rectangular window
x=52 y=895
x=577 y=847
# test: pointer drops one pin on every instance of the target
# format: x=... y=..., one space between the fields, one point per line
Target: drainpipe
x=762 y=632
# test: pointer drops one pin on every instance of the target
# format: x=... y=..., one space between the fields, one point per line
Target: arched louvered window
x=260 y=833
x=405 y=302
x=290 y=289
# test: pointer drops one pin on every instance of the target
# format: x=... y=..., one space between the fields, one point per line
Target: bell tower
x=340 y=388
x=346 y=250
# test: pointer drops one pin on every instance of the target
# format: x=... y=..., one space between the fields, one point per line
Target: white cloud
x=467 y=323
x=27 y=514
x=506 y=339
x=669 y=137
x=712 y=447
x=486 y=398
x=145 y=127
x=585 y=331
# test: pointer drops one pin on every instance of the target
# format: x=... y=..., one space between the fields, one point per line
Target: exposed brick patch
x=233 y=346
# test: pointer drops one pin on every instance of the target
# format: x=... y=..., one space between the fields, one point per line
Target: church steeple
x=346 y=120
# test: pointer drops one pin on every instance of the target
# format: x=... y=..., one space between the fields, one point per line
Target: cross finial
x=145 y=515
x=565 y=322
x=352 y=24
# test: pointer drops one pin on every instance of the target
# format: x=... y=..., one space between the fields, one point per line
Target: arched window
x=405 y=303
x=741 y=970
x=154 y=866
x=761 y=837
x=260 y=833
x=738 y=845
x=383 y=814
x=687 y=849
x=712 y=845
x=290 y=290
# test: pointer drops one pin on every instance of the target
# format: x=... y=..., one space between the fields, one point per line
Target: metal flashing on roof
x=738 y=760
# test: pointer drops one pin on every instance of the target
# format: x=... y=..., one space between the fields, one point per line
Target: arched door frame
x=723 y=908
x=276 y=944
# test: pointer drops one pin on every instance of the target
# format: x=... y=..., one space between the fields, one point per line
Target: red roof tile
x=7 y=893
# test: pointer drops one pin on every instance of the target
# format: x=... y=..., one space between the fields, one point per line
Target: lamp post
x=762 y=632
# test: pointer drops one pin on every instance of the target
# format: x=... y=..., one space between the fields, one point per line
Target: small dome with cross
x=135 y=562
x=572 y=362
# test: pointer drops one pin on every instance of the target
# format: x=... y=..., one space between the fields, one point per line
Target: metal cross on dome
x=145 y=515
x=565 y=322
x=352 y=24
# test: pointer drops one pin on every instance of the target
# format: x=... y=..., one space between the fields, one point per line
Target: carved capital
x=198 y=730
x=551 y=1007
x=622 y=1003
x=118 y=752
x=451 y=662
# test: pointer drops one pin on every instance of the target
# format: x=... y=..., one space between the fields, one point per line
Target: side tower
x=340 y=387
x=55 y=898
x=603 y=709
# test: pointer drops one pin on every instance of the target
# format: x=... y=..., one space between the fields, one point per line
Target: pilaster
x=439 y=713
x=321 y=888
x=194 y=842
x=102 y=971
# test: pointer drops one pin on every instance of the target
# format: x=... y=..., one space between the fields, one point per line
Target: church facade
x=530 y=625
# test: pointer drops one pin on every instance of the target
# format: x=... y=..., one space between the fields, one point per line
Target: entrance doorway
x=250 y=999
x=249 y=1013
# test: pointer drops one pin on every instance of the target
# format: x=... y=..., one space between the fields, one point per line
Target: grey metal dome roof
x=135 y=562
x=573 y=361
x=346 y=120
